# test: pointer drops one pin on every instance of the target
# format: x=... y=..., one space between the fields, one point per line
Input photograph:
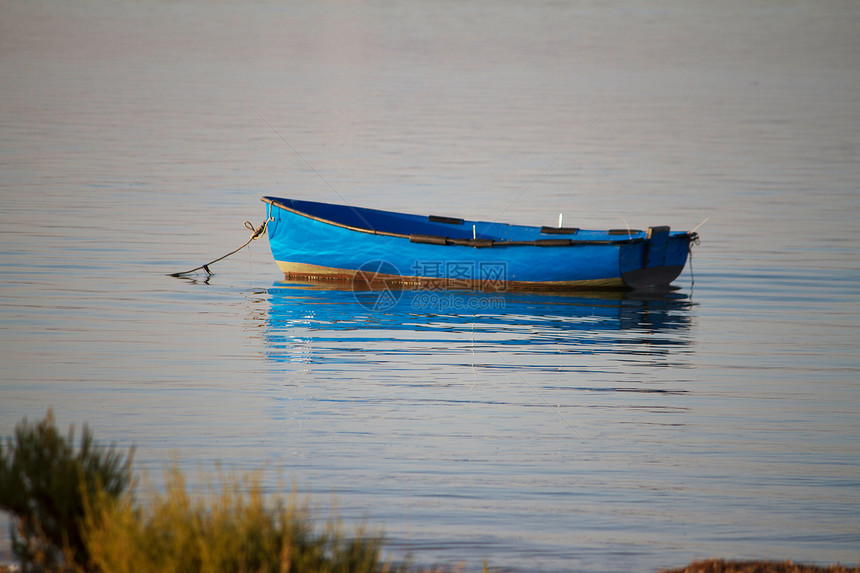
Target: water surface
x=543 y=433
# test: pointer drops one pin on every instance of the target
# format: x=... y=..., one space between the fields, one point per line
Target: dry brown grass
x=722 y=566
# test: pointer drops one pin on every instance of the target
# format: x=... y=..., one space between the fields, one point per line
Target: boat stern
x=654 y=263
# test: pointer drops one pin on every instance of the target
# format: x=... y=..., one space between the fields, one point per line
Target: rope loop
x=694 y=238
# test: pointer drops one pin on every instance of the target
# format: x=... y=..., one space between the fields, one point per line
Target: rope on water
x=257 y=233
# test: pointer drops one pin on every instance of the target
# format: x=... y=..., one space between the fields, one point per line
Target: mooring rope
x=694 y=240
x=257 y=233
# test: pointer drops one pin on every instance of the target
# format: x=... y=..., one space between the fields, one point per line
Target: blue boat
x=322 y=241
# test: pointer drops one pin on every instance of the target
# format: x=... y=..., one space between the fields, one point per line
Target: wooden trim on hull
x=362 y=280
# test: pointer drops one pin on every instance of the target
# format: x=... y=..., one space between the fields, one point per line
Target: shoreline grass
x=80 y=511
x=754 y=566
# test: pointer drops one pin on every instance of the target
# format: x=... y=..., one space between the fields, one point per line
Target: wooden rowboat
x=322 y=241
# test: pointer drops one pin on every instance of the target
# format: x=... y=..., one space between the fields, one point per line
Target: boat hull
x=322 y=242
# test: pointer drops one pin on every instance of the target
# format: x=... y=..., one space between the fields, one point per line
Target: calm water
x=543 y=433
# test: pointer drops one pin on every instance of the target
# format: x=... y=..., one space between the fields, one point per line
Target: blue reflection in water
x=416 y=320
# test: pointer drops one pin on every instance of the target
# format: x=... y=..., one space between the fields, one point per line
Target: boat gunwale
x=441 y=240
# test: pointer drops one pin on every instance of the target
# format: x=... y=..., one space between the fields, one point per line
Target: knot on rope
x=694 y=238
x=256 y=234
x=258 y=231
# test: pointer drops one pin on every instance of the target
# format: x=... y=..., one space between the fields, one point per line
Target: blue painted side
x=656 y=249
x=677 y=249
x=632 y=257
x=302 y=238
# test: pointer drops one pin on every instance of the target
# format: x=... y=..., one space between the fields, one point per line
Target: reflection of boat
x=313 y=319
x=320 y=241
